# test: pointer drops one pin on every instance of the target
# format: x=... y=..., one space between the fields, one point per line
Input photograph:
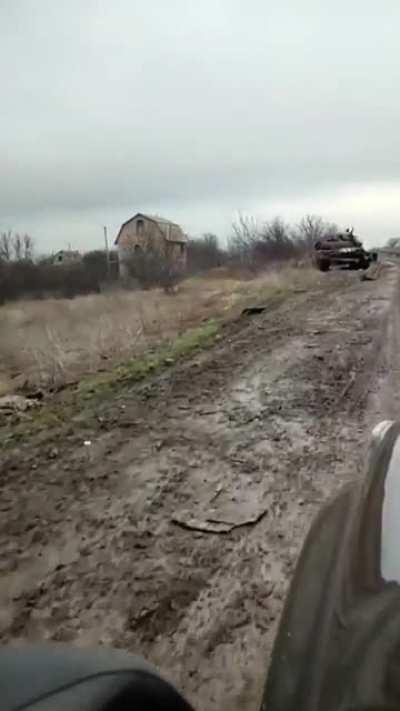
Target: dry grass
x=53 y=342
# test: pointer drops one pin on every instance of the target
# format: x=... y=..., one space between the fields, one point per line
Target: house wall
x=146 y=235
x=63 y=258
x=177 y=252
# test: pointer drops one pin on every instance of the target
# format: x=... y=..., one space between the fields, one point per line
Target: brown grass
x=56 y=341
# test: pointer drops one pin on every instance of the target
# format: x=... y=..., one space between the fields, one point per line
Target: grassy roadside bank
x=81 y=400
x=57 y=412
x=55 y=343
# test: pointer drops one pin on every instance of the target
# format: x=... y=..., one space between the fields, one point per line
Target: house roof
x=170 y=230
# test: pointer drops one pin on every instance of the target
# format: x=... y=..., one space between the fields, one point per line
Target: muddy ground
x=175 y=531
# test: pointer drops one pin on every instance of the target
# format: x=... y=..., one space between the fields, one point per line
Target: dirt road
x=174 y=533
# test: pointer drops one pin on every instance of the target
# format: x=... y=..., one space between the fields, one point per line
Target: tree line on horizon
x=251 y=245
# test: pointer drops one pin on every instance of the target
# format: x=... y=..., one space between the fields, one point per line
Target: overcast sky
x=195 y=111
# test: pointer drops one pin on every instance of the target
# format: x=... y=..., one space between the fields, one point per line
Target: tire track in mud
x=275 y=418
x=290 y=400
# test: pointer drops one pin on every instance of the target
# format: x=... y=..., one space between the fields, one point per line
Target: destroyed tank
x=342 y=249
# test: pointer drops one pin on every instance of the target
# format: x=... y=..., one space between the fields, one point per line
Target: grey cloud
x=178 y=105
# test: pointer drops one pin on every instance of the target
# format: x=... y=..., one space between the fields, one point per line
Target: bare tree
x=150 y=267
x=257 y=245
x=245 y=234
x=275 y=242
x=276 y=231
x=28 y=247
x=393 y=243
x=312 y=228
x=6 y=246
x=204 y=253
x=15 y=247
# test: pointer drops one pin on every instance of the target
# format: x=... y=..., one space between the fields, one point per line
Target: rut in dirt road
x=176 y=534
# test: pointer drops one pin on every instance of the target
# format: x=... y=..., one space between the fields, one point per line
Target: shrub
x=149 y=268
x=257 y=246
x=204 y=253
x=37 y=280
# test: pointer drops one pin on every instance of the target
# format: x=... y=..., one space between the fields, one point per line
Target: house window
x=139 y=227
x=182 y=248
x=138 y=249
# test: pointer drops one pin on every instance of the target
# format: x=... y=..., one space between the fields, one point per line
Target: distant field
x=56 y=341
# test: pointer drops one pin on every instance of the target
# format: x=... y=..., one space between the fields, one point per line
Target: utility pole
x=107 y=251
